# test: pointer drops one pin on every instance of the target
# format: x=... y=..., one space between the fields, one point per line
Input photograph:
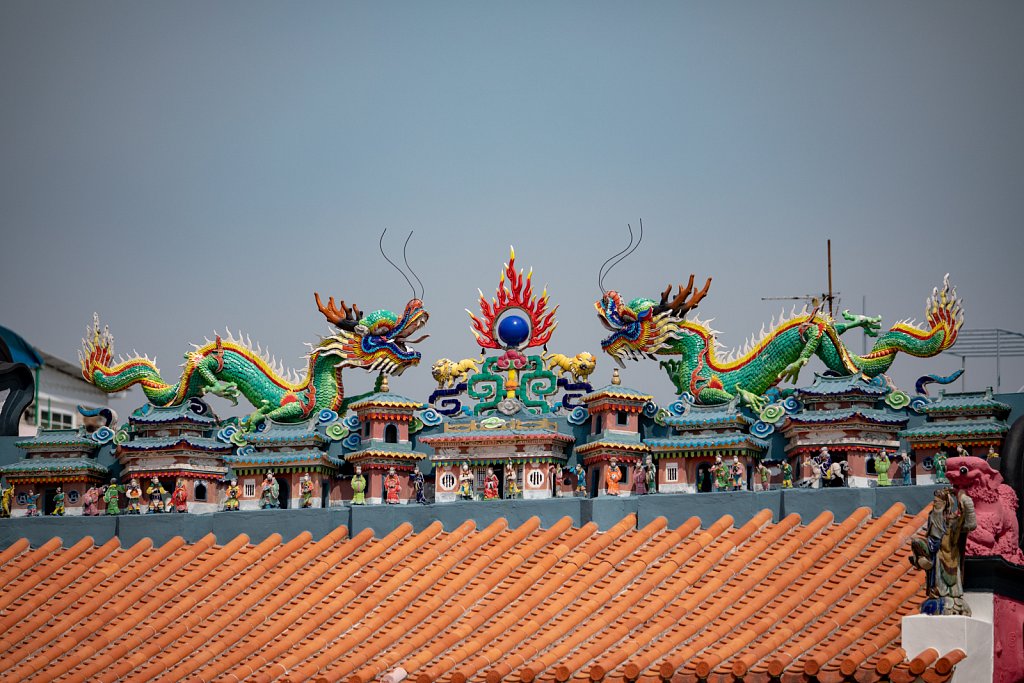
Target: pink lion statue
x=995 y=505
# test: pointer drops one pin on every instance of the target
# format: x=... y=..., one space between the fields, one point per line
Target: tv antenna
x=816 y=299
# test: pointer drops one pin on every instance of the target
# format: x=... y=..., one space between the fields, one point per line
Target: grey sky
x=182 y=167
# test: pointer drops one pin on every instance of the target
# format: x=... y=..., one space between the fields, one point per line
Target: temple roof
x=55 y=465
x=280 y=458
x=700 y=416
x=616 y=391
x=695 y=441
x=152 y=443
x=844 y=414
x=387 y=400
x=278 y=433
x=974 y=401
x=58 y=439
x=816 y=600
x=955 y=428
x=835 y=386
x=186 y=412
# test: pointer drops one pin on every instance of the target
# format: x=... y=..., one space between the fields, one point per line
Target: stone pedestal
x=972 y=634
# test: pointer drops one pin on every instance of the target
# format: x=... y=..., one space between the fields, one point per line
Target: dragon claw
x=228 y=390
x=755 y=402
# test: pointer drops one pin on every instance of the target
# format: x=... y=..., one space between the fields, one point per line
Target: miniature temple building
x=973 y=420
x=64 y=458
x=537 y=446
x=288 y=451
x=176 y=443
x=686 y=458
x=385 y=420
x=846 y=415
x=615 y=434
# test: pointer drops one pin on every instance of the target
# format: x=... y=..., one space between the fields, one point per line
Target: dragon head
x=378 y=341
x=643 y=327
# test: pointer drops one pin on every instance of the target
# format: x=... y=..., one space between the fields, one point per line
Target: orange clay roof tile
x=784 y=600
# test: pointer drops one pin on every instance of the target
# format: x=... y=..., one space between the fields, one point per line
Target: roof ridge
x=211 y=617
x=442 y=619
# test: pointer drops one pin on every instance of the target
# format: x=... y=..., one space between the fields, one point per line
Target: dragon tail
x=944 y=311
x=100 y=369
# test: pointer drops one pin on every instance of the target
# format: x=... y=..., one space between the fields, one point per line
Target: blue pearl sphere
x=513 y=330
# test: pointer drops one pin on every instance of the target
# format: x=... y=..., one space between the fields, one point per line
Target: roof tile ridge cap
x=886 y=662
x=386 y=660
x=871 y=645
x=944 y=665
x=819 y=649
x=248 y=578
x=506 y=623
x=405 y=549
x=182 y=613
x=12 y=551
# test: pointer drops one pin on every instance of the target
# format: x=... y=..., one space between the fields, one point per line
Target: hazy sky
x=182 y=167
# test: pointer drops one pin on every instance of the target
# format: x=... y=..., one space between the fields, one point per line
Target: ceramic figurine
x=722 y=475
x=962 y=452
x=306 y=489
x=270 y=492
x=581 y=480
x=111 y=496
x=31 y=504
x=787 y=475
x=612 y=477
x=639 y=479
x=6 y=496
x=465 y=483
x=882 y=464
x=991 y=452
x=157 y=494
x=392 y=487
x=737 y=474
x=512 y=481
x=359 y=487
x=652 y=474
x=491 y=485
x=134 y=495
x=941 y=552
x=419 y=486
x=906 y=468
x=765 y=475
x=940 y=466
x=179 y=497
x=58 y=502
x=234 y=492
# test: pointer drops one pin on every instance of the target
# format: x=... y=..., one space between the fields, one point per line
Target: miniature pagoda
x=702 y=434
x=615 y=413
x=175 y=443
x=385 y=421
x=848 y=416
x=288 y=451
x=64 y=458
x=974 y=420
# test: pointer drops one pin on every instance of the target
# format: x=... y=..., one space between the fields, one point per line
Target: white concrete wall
x=973 y=635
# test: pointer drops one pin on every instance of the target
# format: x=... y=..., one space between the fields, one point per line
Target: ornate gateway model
x=377 y=342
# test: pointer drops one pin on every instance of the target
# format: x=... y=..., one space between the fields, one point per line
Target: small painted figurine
x=652 y=474
x=134 y=495
x=962 y=452
x=359 y=487
x=419 y=486
x=906 y=468
x=58 y=502
x=991 y=453
x=512 y=481
x=270 y=492
x=306 y=489
x=581 y=480
x=111 y=496
x=737 y=474
x=234 y=491
x=465 y=483
x=639 y=479
x=31 y=504
x=392 y=487
x=765 y=475
x=882 y=464
x=723 y=479
x=787 y=475
x=156 y=493
x=491 y=485
x=6 y=497
x=179 y=497
x=612 y=477
x=824 y=461
x=940 y=466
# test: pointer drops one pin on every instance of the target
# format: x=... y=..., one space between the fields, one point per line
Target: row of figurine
x=157 y=499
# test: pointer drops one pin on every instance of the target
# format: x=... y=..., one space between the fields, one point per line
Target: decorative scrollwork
x=772 y=413
x=103 y=435
x=352 y=442
x=336 y=431
x=225 y=433
x=430 y=417
x=762 y=429
x=578 y=415
x=326 y=416
x=897 y=399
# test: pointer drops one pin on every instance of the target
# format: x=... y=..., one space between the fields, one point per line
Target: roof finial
x=616 y=380
x=384 y=388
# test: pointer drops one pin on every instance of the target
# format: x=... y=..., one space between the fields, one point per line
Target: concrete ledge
x=605 y=511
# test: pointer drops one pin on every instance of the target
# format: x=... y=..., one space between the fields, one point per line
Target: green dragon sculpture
x=377 y=342
x=646 y=328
